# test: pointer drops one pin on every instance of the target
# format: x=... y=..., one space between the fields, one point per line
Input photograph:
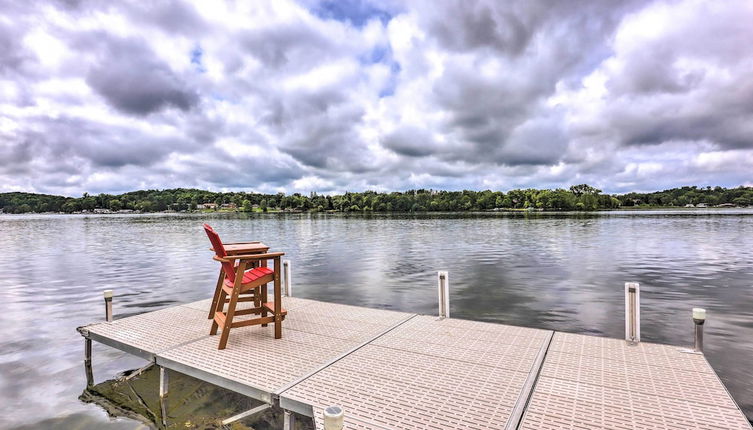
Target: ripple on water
x=563 y=272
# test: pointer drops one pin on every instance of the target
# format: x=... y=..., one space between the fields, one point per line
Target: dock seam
x=516 y=416
x=292 y=384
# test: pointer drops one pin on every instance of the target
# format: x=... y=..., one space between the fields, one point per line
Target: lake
x=555 y=271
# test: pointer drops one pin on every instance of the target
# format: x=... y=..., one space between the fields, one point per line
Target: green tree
x=582 y=189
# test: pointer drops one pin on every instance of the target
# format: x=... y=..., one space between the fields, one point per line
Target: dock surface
x=397 y=370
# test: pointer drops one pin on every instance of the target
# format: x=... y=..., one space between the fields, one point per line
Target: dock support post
x=163 y=381
x=443 y=292
x=699 y=317
x=288 y=281
x=88 y=362
x=632 y=313
x=333 y=418
x=288 y=422
x=108 y=305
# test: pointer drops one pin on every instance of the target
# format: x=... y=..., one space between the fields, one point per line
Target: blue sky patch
x=356 y=12
x=196 y=55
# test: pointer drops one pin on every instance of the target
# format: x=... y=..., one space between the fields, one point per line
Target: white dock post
x=288 y=281
x=88 y=362
x=699 y=317
x=108 y=305
x=333 y=418
x=163 y=381
x=163 y=389
x=443 y=293
x=632 y=313
x=288 y=420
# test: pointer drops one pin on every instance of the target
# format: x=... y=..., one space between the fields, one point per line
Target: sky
x=334 y=96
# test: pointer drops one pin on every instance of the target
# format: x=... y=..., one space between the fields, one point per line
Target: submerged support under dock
x=397 y=370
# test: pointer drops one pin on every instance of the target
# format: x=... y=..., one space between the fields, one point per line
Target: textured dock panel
x=313 y=334
x=395 y=370
x=148 y=334
x=428 y=374
x=600 y=383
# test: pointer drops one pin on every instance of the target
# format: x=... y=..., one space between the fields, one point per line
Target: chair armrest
x=241 y=243
x=266 y=256
x=253 y=242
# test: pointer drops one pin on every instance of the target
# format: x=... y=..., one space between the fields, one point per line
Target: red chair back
x=227 y=266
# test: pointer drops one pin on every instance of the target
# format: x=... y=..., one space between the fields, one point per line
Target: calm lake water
x=554 y=271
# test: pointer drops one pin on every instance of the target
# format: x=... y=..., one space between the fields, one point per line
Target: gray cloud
x=131 y=78
x=535 y=45
x=78 y=142
x=12 y=55
x=294 y=45
x=411 y=141
x=280 y=96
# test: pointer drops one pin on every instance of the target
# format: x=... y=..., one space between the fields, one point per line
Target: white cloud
x=284 y=96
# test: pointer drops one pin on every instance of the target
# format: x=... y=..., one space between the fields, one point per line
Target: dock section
x=397 y=370
x=601 y=383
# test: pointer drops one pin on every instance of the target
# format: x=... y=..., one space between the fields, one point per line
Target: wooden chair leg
x=218 y=308
x=240 y=270
x=257 y=297
x=264 y=300
x=229 y=318
x=216 y=296
x=278 y=300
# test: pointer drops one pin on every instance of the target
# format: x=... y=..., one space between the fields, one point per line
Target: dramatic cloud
x=331 y=96
x=131 y=78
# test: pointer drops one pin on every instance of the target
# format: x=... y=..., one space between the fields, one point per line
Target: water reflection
x=555 y=271
x=191 y=404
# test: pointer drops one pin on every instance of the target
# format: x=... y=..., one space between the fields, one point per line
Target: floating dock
x=397 y=370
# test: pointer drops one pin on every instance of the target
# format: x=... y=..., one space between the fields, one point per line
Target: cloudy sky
x=338 y=95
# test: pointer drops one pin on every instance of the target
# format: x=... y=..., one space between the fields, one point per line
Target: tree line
x=577 y=198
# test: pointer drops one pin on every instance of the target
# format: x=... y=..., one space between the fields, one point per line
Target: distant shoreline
x=332 y=212
x=577 y=198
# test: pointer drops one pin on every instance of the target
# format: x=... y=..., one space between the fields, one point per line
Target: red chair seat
x=251 y=275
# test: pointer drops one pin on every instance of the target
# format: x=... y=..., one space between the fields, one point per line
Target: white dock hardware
x=699 y=317
x=632 y=313
x=333 y=418
x=288 y=421
x=287 y=280
x=163 y=381
x=443 y=293
x=108 y=305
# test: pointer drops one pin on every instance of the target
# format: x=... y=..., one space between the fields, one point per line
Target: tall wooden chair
x=236 y=248
x=238 y=281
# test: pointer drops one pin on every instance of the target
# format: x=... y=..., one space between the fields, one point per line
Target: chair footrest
x=271 y=307
x=219 y=318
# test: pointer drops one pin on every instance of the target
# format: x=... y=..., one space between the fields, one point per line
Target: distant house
x=229 y=206
x=726 y=205
x=690 y=205
x=701 y=205
x=208 y=206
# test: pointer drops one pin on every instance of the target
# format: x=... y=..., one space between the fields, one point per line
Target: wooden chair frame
x=231 y=296
x=249 y=296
